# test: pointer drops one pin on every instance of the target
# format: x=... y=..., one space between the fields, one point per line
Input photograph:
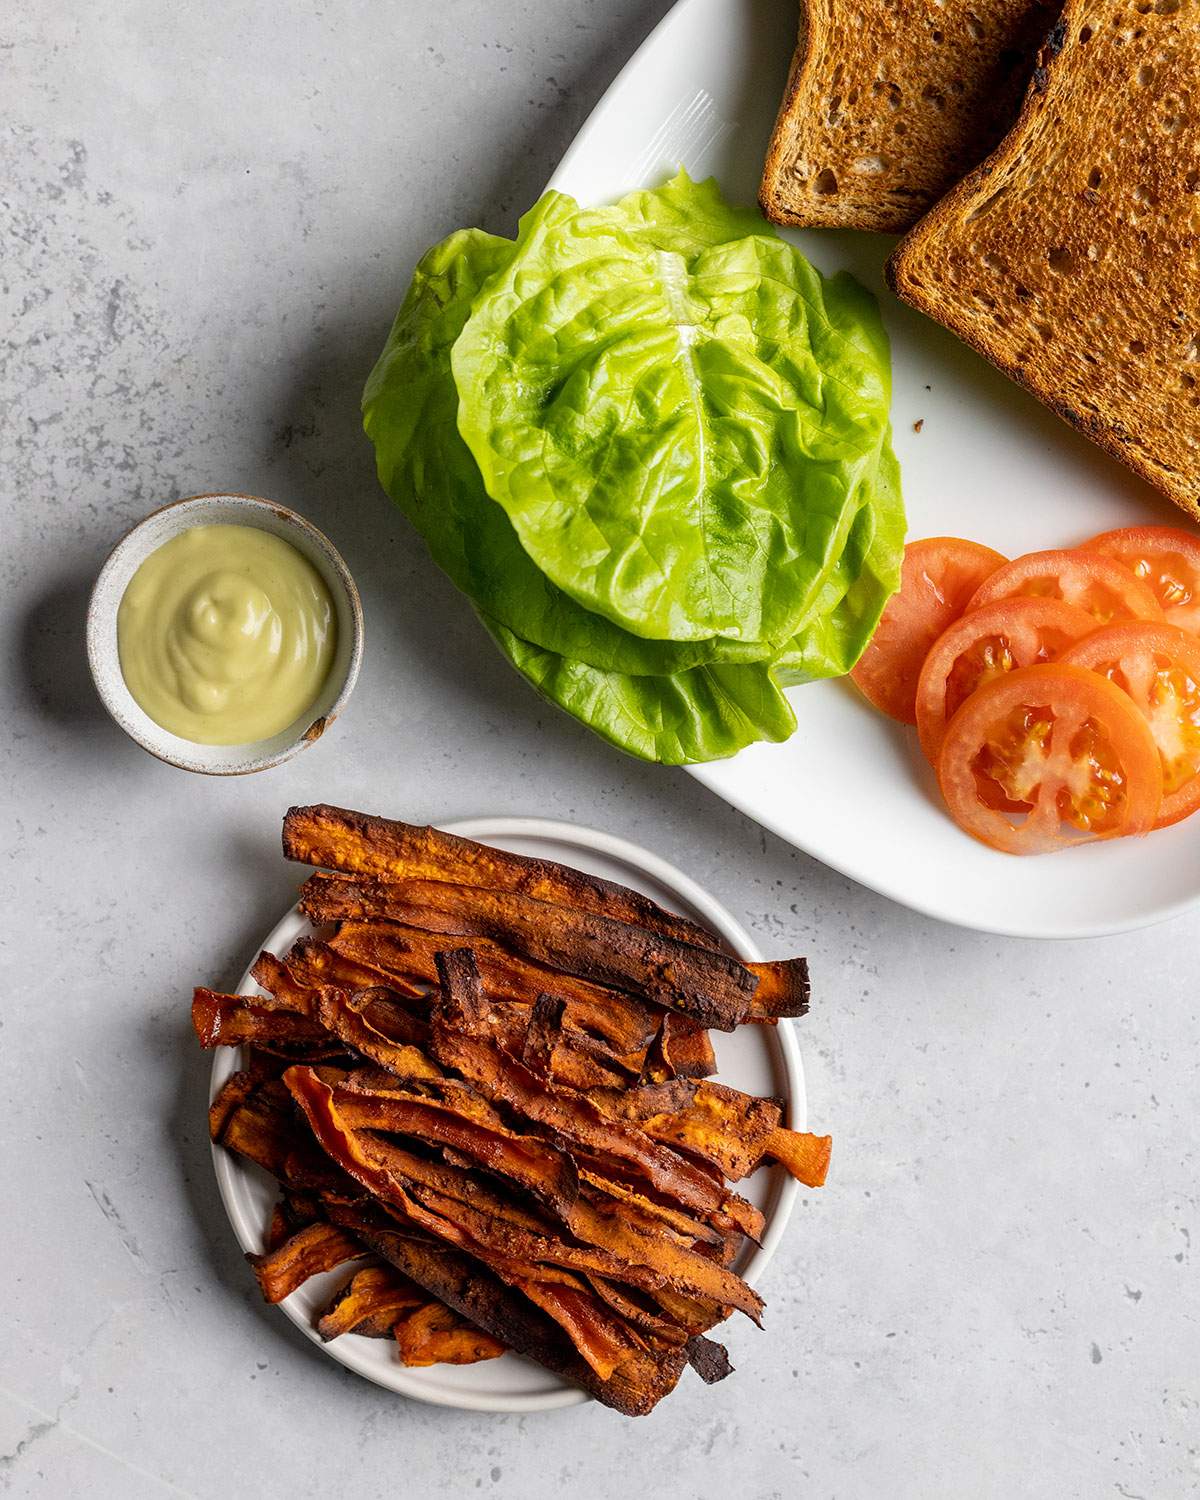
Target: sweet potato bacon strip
x=783 y=989
x=605 y=1341
x=319 y=1247
x=709 y=986
x=546 y=1173
x=520 y=1254
x=805 y=1156
x=232 y=1020
x=374 y=1021
x=496 y=1240
x=624 y=1223
x=370 y=1304
x=476 y=1294
x=504 y=1312
x=733 y=1130
x=578 y=1122
x=709 y=1359
x=723 y=1125
x=405 y=954
x=362 y=845
x=682 y=1049
x=437 y=1335
x=315 y=964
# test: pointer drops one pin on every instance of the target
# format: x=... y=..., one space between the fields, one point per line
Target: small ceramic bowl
x=123 y=562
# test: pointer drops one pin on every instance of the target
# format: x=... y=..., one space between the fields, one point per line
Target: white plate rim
x=417 y=1385
x=1055 y=930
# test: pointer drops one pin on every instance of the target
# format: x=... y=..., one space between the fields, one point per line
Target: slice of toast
x=1070 y=258
x=889 y=102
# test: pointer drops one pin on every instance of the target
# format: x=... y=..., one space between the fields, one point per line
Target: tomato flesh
x=939 y=576
x=985 y=644
x=1092 y=581
x=1158 y=666
x=1167 y=559
x=1047 y=756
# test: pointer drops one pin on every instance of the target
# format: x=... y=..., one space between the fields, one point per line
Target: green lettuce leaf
x=410 y=412
x=705 y=713
x=679 y=430
x=807 y=405
x=854 y=596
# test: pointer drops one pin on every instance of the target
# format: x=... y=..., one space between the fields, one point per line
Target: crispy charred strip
x=640 y=1310
x=231 y=1020
x=234 y=1092
x=355 y=1019
x=578 y=1122
x=805 y=1156
x=464 y=1007
x=625 y=1226
x=604 y=1340
x=783 y=989
x=437 y=1335
x=503 y=1311
x=541 y=1170
x=315 y=963
x=521 y=1255
x=370 y=1304
x=383 y=1171
x=319 y=1247
x=293 y=1212
x=375 y=1021
x=709 y=1359
x=682 y=1049
x=687 y=1226
x=462 y=1002
x=712 y=987
x=363 y=845
x=259 y=1121
x=405 y=954
x=720 y=1124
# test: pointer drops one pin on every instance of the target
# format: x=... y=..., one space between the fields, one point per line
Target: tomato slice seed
x=1167 y=559
x=985 y=644
x=1158 y=667
x=1047 y=755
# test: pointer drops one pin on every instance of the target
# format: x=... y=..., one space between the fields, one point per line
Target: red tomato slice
x=985 y=644
x=1049 y=756
x=1164 y=557
x=1159 y=667
x=939 y=575
x=1089 y=580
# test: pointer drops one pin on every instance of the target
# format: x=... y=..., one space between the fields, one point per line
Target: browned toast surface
x=1071 y=257
x=889 y=102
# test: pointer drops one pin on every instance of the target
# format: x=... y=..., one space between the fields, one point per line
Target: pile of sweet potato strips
x=486 y=1078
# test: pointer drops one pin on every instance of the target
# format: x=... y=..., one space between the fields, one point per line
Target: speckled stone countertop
x=209 y=214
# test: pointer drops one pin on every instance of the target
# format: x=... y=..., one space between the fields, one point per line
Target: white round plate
x=988 y=463
x=759 y=1059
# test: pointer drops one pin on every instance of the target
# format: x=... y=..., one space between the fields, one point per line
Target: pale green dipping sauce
x=226 y=635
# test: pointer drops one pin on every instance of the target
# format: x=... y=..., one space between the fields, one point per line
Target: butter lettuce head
x=410 y=412
x=650 y=443
x=677 y=429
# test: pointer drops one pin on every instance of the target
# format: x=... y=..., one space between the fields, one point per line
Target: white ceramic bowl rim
x=123 y=561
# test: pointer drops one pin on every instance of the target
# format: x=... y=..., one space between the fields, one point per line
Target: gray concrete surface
x=209 y=212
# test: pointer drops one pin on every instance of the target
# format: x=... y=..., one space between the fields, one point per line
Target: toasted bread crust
x=889 y=101
x=1136 y=398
